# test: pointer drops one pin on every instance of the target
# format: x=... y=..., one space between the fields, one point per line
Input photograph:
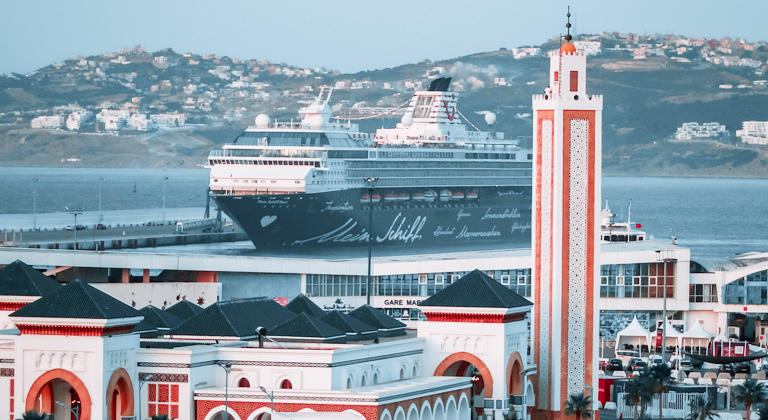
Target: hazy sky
x=349 y=35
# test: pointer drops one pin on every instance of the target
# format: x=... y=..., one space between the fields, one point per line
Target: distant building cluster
x=696 y=131
x=754 y=132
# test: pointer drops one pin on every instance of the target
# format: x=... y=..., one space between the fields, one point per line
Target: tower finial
x=568 y=37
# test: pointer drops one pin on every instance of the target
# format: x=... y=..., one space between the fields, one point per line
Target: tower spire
x=568 y=36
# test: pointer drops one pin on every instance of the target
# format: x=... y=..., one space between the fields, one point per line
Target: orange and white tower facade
x=566 y=219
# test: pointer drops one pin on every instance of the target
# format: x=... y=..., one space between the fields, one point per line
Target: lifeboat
x=430 y=196
x=445 y=195
x=419 y=196
x=471 y=196
x=457 y=195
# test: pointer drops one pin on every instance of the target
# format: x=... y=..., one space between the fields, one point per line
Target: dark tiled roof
x=235 y=318
x=386 y=325
x=160 y=318
x=306 y=325
x=184 y=309
x=78 y=299
x=304 y=304
x=355 y=329
x=477 y=290
x=20 y=279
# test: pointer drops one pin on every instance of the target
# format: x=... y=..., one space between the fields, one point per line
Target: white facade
x=694 y=131
x=48 y=122
x=754 y=132
x=168 y=120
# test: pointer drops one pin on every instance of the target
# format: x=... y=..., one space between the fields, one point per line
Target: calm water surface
x=716 y=218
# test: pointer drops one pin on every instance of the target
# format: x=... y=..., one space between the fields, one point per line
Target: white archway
x=438 y=410
x=255 y=415
x=413 y=412
x=530 y=394
x=426 y=411
x=464 y=410
x=355 y=412
x=385 y=415
x=399 y=413
x=450 y=409
x=213 y=414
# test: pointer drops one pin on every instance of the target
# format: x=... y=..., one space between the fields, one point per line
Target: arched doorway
x=469 y=365
x=515 y=374
x=119 y=395
x=59 y=385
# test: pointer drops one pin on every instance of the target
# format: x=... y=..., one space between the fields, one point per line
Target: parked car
x=68 y=228
x=636 y=364
x=655 y=360
x=626 y=355
x=727 y=368
x=80 y=227
x=743 y=367
x=685 y=365
x=101 y=226
x=614 y=365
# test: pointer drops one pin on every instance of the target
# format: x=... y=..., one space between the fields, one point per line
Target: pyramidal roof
x=301 y=303
x=159 y=318
x=386 y=325
x=355 y=328
x=477 y=290
x=20 y=279
x=235 y=318
x=78 y=299
x=184 y=309
x=305 y=325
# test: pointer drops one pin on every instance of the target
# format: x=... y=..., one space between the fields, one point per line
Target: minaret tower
x=567 y=131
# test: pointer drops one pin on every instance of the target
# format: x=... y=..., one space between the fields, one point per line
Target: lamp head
x=264 y=390
x=261 y=331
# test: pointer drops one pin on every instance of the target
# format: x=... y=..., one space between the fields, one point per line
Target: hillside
x=165 y=109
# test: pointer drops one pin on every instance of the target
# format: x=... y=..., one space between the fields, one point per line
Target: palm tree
x=750 y=392
x=34 y=415
x=762 y=411
x=638 y=393
x=704 y=410
x=578 y=404
x=660 y=377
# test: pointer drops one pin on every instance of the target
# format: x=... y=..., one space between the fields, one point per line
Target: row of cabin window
x=264 y=162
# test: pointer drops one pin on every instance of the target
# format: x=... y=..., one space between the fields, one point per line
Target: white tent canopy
x=673 y=337
x=634 y=333
x=697 y=335
x=697 y=331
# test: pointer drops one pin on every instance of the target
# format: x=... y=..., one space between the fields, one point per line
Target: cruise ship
x=430 y=183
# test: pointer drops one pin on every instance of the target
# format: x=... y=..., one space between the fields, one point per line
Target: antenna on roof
x=568 y=36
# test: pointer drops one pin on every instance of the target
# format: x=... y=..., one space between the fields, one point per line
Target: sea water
x=714 y=217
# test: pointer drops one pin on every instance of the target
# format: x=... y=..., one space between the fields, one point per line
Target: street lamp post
x=75 y=212
x=227 y=366
x=371 y=182
x=101 y=215
x=34 y=204
x=665 y=257
x=75 y=411
x=164 y=181
x=141 y=384
x=271 y=396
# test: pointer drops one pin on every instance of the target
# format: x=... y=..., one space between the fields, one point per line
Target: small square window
x=636 y=280
x=422 y=279
x=652 y=281
x=455 y=278
x=604 y=280
x=521 y=279
x=620 y=280
x=505 y=279
x=439 y=279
